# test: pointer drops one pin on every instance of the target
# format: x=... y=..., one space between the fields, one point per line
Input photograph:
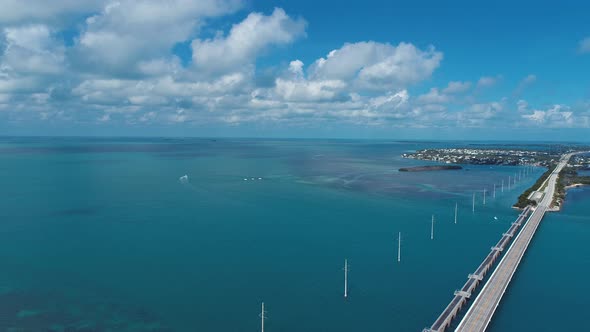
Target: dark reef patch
x=76 y=212
x=32 y=311
x=430 y=168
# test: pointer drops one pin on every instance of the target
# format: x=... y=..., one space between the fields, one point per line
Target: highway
x=461 y=296
x=482 y=309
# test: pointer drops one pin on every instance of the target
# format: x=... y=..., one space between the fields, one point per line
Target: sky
x=503 y=70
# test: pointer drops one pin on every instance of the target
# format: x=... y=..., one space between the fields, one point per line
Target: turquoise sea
x=101 y=234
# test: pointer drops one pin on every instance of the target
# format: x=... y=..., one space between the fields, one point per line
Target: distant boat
x=495 y=218
x=183 y=179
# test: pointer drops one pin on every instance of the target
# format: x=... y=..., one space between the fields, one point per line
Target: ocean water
x=102 y=235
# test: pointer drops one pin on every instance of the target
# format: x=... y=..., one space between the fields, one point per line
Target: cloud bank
x=100 y=62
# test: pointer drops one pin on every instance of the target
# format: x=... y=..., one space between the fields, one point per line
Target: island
x=569 y=178
x=479 y=156
x=540 y=155
x=430 y=168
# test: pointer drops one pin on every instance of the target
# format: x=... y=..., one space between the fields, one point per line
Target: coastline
x=575 y=185
x=557 y=208
x=568 y=228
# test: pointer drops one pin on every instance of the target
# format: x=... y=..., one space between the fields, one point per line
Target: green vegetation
x=542 y=155
x=523 y=199
x=560 y=188
x=568 y=177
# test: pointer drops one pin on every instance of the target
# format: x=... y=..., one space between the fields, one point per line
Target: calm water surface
x=101 y=235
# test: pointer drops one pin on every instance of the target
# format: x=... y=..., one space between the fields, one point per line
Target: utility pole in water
x=262 y=318
x=345 y=278
x=399 y=247
x=432 y=229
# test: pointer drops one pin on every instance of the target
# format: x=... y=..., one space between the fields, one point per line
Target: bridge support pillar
x=475 y=276
x=463 y=294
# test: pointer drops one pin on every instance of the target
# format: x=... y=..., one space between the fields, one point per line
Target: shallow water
x=100 y=234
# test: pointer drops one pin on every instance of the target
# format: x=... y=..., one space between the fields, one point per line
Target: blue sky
x=366 y=69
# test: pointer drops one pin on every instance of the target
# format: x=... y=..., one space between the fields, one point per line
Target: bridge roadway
x=461 y=296
x=481 y=311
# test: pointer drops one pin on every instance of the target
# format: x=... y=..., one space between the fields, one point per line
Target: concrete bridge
x=483 y=307
x=473 y=280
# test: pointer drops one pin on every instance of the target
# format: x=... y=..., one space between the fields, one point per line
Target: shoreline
x=557 y=208
x=575 y=185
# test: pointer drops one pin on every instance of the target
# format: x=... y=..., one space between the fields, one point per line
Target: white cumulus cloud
x=487 y=81
x=126 y=32
x=31 y=49
x=433 y=97
x=296 y=68
x=246 y=40
x=556 y=116
x=114 y=61
x=457 y=87
x=378 y=66
x=37 y=11
x=308 y=90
